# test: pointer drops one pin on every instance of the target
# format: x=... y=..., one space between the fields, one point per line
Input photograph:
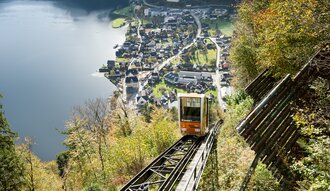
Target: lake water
x=49 y=55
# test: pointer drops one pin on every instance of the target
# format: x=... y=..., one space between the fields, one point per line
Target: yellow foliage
x=39 y=175
x=287 y=32
x=128 y=155
x=280 y=35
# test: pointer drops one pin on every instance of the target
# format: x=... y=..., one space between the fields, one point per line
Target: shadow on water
x=82 y=7
x=91 y=5
x=78 y=8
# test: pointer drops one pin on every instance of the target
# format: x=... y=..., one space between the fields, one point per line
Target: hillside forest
x=280 y=36
x=107 y=143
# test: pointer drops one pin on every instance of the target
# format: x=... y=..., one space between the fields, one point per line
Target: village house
x=120 y=52
x=154 y=78
x=220 y=12
x=147 y=66
x=111 y=64
x=172 y=95
x=190 y=80
x=171 y=78
x=123 y=66
x=189 y=19
x=131 y=84
x=187 y=76
x=185 y=66
x=225 y=65
x=131 y=72
x=176 y=12
x=104 y=70
x=164 y=101
x=142 y=99
x=154 y=12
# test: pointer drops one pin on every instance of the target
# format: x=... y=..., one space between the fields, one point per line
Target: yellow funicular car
x=193 y=114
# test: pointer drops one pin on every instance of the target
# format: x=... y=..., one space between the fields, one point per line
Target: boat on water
x=116 y=46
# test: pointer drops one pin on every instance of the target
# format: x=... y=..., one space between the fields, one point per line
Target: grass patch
x=225 y=27
x=202 y=57
x=119 y=22
x=161 y=88
x=118 y=59
x=208 y=41
x=199 y=57
x=146 y=20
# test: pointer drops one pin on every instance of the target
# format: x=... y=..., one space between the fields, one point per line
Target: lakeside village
x=168 y=51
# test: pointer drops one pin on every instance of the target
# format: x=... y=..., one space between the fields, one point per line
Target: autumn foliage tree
x=38 y=175
x=107 y=147
x=279 y=35
x=282 y=36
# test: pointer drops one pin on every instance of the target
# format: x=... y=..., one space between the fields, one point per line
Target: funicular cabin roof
x=192 y=95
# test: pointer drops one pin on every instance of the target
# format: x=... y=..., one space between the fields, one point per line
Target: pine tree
x=11 y=168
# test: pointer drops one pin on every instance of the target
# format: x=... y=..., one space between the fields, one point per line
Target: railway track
x=179 y=167
x=167 y=168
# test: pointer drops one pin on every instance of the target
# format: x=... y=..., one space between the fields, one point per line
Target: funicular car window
x=191 y=109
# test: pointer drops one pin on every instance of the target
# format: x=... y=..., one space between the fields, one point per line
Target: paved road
x=219 y=66
x=216 y=77
x=199 y=25
x=138 y=33
x=139 y=36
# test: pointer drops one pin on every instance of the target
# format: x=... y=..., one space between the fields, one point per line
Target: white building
x=147 y=12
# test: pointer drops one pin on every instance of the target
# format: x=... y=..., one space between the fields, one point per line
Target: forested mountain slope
x=280 y=36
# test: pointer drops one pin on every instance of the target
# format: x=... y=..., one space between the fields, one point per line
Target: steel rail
x=178 y=171
x=198 y=167
x=162 y=170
